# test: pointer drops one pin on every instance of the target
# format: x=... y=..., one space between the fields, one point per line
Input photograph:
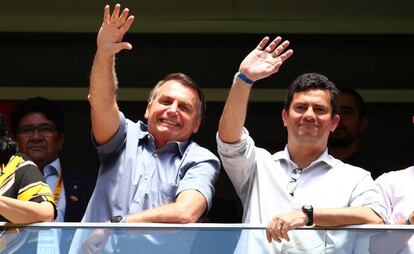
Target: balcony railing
x=55 y=238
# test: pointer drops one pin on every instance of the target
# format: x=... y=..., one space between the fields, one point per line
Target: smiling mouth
x=309 y=125
x=170 y=122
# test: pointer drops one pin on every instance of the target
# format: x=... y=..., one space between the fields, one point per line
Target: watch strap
x=308 y=211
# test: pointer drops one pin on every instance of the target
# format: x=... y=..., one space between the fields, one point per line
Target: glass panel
x=55 y=238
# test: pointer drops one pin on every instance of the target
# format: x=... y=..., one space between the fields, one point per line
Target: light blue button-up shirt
x=134 y=176
x=51 y=173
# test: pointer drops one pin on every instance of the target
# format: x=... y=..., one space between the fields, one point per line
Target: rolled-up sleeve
x=116 y=143
x=368 y=194
x=203 y=170
x=239 y=160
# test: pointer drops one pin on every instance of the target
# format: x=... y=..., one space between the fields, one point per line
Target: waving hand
x=264 y=60
x=113 y=29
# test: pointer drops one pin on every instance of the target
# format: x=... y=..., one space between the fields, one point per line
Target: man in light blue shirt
x=148 y=173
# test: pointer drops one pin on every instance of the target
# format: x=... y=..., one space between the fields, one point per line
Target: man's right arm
x=103 y=83
x=262 y=62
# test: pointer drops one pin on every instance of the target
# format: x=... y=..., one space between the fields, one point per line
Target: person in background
x=38 y=124
x=398 y=192
x=344 y=143
x=302 y=185
x=25 y=197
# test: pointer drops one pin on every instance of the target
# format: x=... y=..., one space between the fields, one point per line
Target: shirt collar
x=55 y=164
x=323 y=158
x=144 y=135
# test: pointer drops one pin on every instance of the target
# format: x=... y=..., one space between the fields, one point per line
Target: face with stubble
x=351 y=124
x=173 y=115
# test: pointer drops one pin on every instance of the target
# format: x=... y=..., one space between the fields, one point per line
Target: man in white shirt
x=302 y=185
x=398 y=191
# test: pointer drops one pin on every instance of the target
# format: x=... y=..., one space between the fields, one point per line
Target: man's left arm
x=366 y=206
x=194 y=193
x=277 y=229
x=188 y=207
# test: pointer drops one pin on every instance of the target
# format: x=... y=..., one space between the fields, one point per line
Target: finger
x=123 y=17
x=280 y=48
x=122 y=45
x=263 y=43
x=286 y=55
x=283 y=233
x=107 y=14
x=124 y=28
x=269 y=235
x=273 y=44
x=115 y=14
x=276 y=238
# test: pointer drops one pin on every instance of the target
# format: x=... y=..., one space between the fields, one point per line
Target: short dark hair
x=49 y=108
x=360 y=103
x=309 y=81
x=185 y=81
x=8 y=147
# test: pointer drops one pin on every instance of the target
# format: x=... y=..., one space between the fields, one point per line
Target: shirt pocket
x=164 y=193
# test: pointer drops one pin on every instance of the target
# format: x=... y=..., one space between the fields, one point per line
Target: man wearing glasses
x=38 y=125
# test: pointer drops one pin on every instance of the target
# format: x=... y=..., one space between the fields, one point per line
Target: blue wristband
x=245 y=78
x=408 y=222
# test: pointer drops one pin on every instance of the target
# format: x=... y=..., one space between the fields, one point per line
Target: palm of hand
x=109 y=36
x=260 y=64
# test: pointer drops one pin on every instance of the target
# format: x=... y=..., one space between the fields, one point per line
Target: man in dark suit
x=38 y=125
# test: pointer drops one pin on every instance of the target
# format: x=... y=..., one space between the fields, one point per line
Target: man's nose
x=309 y=113
x=36 y=134
x=173 y=108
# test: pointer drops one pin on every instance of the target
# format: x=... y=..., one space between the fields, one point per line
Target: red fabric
x=5 y=108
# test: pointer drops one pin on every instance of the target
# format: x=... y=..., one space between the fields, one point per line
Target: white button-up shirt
x=261 y=181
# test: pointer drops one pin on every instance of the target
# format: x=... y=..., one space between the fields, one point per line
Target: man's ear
x=146 y=110
x=196 y=124
x=335 y=122
x=284 y=117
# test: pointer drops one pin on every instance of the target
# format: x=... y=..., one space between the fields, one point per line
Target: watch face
x=307 y=207
x=116 y=219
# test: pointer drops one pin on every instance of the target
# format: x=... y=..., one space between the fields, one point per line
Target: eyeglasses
x=45 y=130
x=294 y=180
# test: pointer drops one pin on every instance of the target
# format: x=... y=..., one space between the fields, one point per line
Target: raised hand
x=113 y=29
x=264 y=60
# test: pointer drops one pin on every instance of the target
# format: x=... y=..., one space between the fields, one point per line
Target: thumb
x=122 y=46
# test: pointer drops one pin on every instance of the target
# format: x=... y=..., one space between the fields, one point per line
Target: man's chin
x=36 y=154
